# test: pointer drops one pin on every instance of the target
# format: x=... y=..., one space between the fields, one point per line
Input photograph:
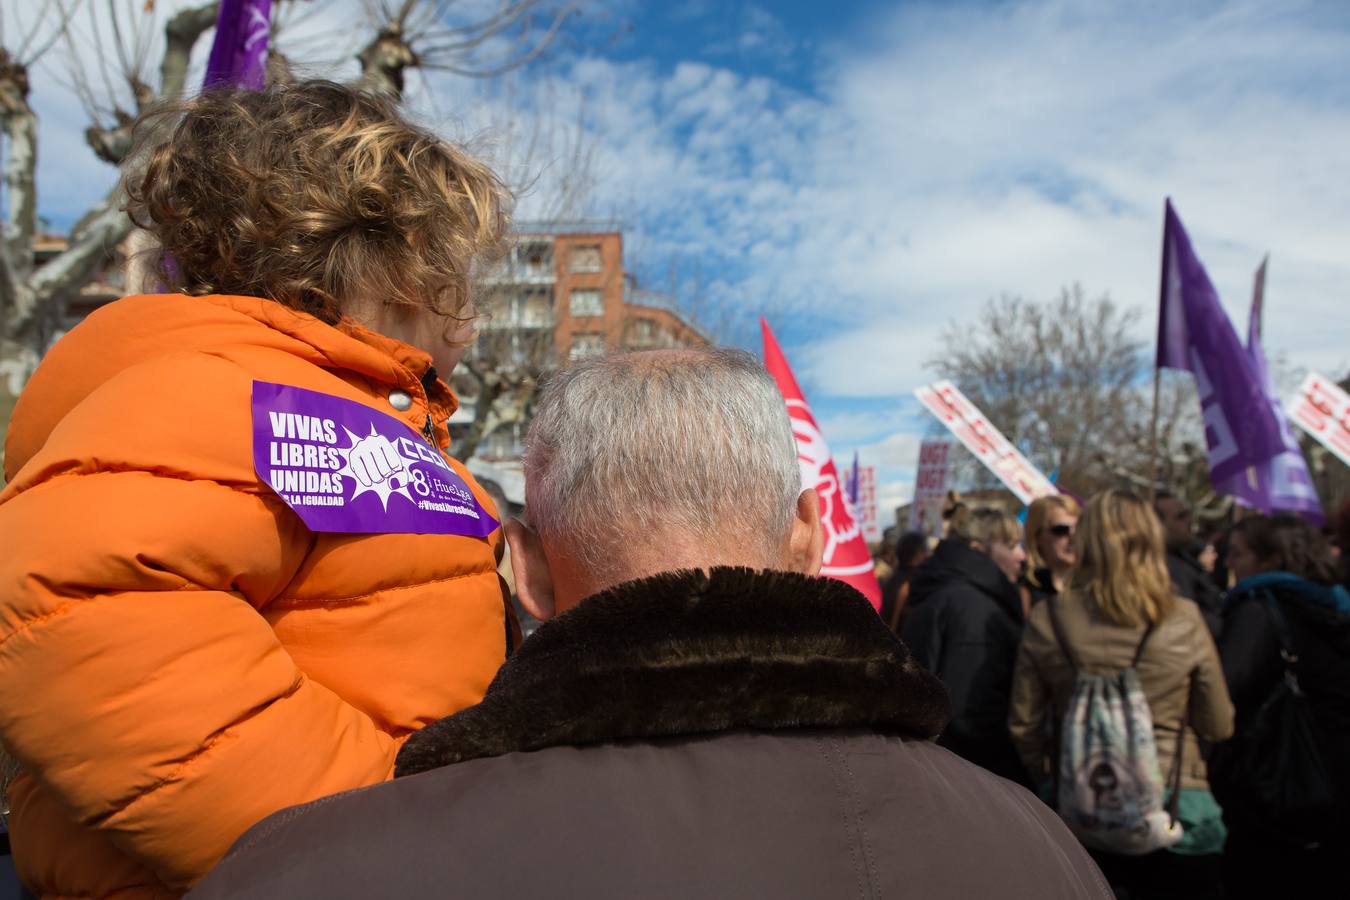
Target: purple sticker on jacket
x=345 y=467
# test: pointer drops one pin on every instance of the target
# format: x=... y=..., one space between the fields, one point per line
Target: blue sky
x=866 y=173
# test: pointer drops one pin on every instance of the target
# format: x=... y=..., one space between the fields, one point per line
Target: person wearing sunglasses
x=1050 y=525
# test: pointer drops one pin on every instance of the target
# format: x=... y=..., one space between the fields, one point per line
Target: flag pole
x=1153 y=441
x=1157 y=371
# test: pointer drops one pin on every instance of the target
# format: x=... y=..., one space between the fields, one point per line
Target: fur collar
x=694 y=652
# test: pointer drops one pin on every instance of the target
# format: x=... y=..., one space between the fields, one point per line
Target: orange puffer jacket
x=179 y=655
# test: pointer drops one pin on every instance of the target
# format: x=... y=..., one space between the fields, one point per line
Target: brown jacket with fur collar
x=723 y=734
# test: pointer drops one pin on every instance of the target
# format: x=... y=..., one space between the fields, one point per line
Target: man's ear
x=806 y=542
x=534 y=582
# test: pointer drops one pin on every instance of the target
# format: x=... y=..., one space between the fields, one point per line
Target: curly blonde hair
x=315 y=195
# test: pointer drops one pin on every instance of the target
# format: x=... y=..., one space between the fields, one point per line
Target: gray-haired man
x=701 y=716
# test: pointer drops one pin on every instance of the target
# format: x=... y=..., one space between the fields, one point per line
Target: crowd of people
x=1213 y=639
x=201 y=693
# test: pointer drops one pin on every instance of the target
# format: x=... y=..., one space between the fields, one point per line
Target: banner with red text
x=981 y=438
x=930 y=486
x=1322 y=409
x=846 y=555
x=865 y=507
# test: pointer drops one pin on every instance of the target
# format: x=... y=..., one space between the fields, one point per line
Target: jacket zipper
x=429 y=378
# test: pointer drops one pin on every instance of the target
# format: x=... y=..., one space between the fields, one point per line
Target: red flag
x=846 y=554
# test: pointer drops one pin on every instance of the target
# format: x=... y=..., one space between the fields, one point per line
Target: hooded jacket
x=179 y=655
x=714 y=735
x=963 y=622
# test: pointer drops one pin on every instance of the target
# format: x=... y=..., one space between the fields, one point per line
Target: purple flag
x=239 y=52
x=1194 y=333
x=851 y=486
x=1283 y=483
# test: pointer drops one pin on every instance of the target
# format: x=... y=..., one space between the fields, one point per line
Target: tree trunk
x=34 y=302
x=383 y=62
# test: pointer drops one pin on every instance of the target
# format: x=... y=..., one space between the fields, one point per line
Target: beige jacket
x=1179 y=662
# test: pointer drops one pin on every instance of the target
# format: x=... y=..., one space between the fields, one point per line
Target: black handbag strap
x=1288 y=655
x=1139 y=651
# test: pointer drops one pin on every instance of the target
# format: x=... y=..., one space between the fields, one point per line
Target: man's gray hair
x=688 y=445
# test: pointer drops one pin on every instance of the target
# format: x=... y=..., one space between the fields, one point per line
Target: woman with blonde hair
x=1050 y=555
x=1118 y=611
x=962 y=621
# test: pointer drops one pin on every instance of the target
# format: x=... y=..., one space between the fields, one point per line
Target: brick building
x=562 y=293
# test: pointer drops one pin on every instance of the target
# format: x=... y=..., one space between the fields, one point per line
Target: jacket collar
x=694 y=652
x=347 y=345
x=1333 y=599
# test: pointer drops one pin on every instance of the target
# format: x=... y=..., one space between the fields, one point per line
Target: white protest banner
x=867 y=503
x=981 y=438
x=1322 y=409
x=930 y=486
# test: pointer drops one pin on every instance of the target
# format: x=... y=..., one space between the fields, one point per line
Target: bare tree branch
x=34 y=297
x=89 y=249
x=406 y=40
x=1064 y=380
x=181 y=35
x=61 y=29
x=112 y=143
x=35 y=301
x=384 y=60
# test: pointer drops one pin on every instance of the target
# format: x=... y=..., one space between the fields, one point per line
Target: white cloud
x=898 y=450
x=948 y=153
x=891 y=495
x=965 y=152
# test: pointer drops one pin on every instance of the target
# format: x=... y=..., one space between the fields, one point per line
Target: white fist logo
x=375 y=464
x=375 y=459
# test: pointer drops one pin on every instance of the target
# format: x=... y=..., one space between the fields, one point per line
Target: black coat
x=1320 y=633
x=964 y=622
x=1039 y=586
x=721 y=735
x=1250 y=650
x=1190 y=580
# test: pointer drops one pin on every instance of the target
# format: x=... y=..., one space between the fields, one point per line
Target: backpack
x=1275 y=772
x=1110 y=783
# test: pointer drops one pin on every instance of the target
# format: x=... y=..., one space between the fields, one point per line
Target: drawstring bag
x=1110 y=783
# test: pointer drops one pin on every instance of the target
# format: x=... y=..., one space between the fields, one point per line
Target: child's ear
x=534 y=582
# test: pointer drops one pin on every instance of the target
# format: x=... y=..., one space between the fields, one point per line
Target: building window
x=587 y=345
x=587 y=302
x=585 y=258
x=535 y=255
x=644 y=329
